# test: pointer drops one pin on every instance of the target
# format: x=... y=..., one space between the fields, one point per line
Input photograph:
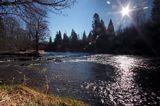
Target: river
x=99 y=79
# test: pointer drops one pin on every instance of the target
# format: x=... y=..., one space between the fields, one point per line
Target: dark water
x=112 y=80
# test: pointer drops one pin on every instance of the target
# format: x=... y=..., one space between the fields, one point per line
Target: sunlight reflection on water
x=125 y=85
x=125 y=67
x=111 y=80
x=124 y=91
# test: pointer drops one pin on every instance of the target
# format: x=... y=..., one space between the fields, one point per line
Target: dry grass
x=18 y=95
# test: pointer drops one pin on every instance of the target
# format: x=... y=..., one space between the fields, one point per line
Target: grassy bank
x=18 y=95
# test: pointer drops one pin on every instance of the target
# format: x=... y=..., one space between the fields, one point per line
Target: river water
x=99 y=79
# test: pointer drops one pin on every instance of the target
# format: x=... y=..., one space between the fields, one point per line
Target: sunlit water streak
x=123 y=90
x=125 y=87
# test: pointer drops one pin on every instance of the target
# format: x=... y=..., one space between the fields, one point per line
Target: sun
x=125 y=11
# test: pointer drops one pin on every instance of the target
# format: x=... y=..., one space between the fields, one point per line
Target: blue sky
x=79 y=17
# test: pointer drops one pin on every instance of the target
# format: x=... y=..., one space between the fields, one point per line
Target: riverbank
x=13 y=95
x=27 y=53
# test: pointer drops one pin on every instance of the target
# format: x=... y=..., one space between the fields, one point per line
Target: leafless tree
x=32 y=12
x=22 y=8
x=13 y=35
x=37 y=29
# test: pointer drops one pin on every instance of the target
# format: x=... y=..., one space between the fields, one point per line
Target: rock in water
x=58 y=60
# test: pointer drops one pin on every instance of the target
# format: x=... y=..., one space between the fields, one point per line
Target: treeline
x=140 y=38
x=97 y=40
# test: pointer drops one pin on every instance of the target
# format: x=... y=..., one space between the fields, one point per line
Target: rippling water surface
x=112 y=80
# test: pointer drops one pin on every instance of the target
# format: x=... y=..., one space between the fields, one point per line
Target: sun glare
x=125 y=11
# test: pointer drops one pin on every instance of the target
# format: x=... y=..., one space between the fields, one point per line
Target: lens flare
x=125 y=11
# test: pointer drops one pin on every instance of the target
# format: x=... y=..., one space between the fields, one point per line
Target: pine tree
x=110 y=27
x=156 y=11
x=65 y=42
x=91 y=40
x=58 y=41
x=74 y=36
x=100 y=38
x=96 y=25
x=84 y=38
x=49 y=46
x=84 y=41
x=50 y=40
x=74 y=40
x=96 y=21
